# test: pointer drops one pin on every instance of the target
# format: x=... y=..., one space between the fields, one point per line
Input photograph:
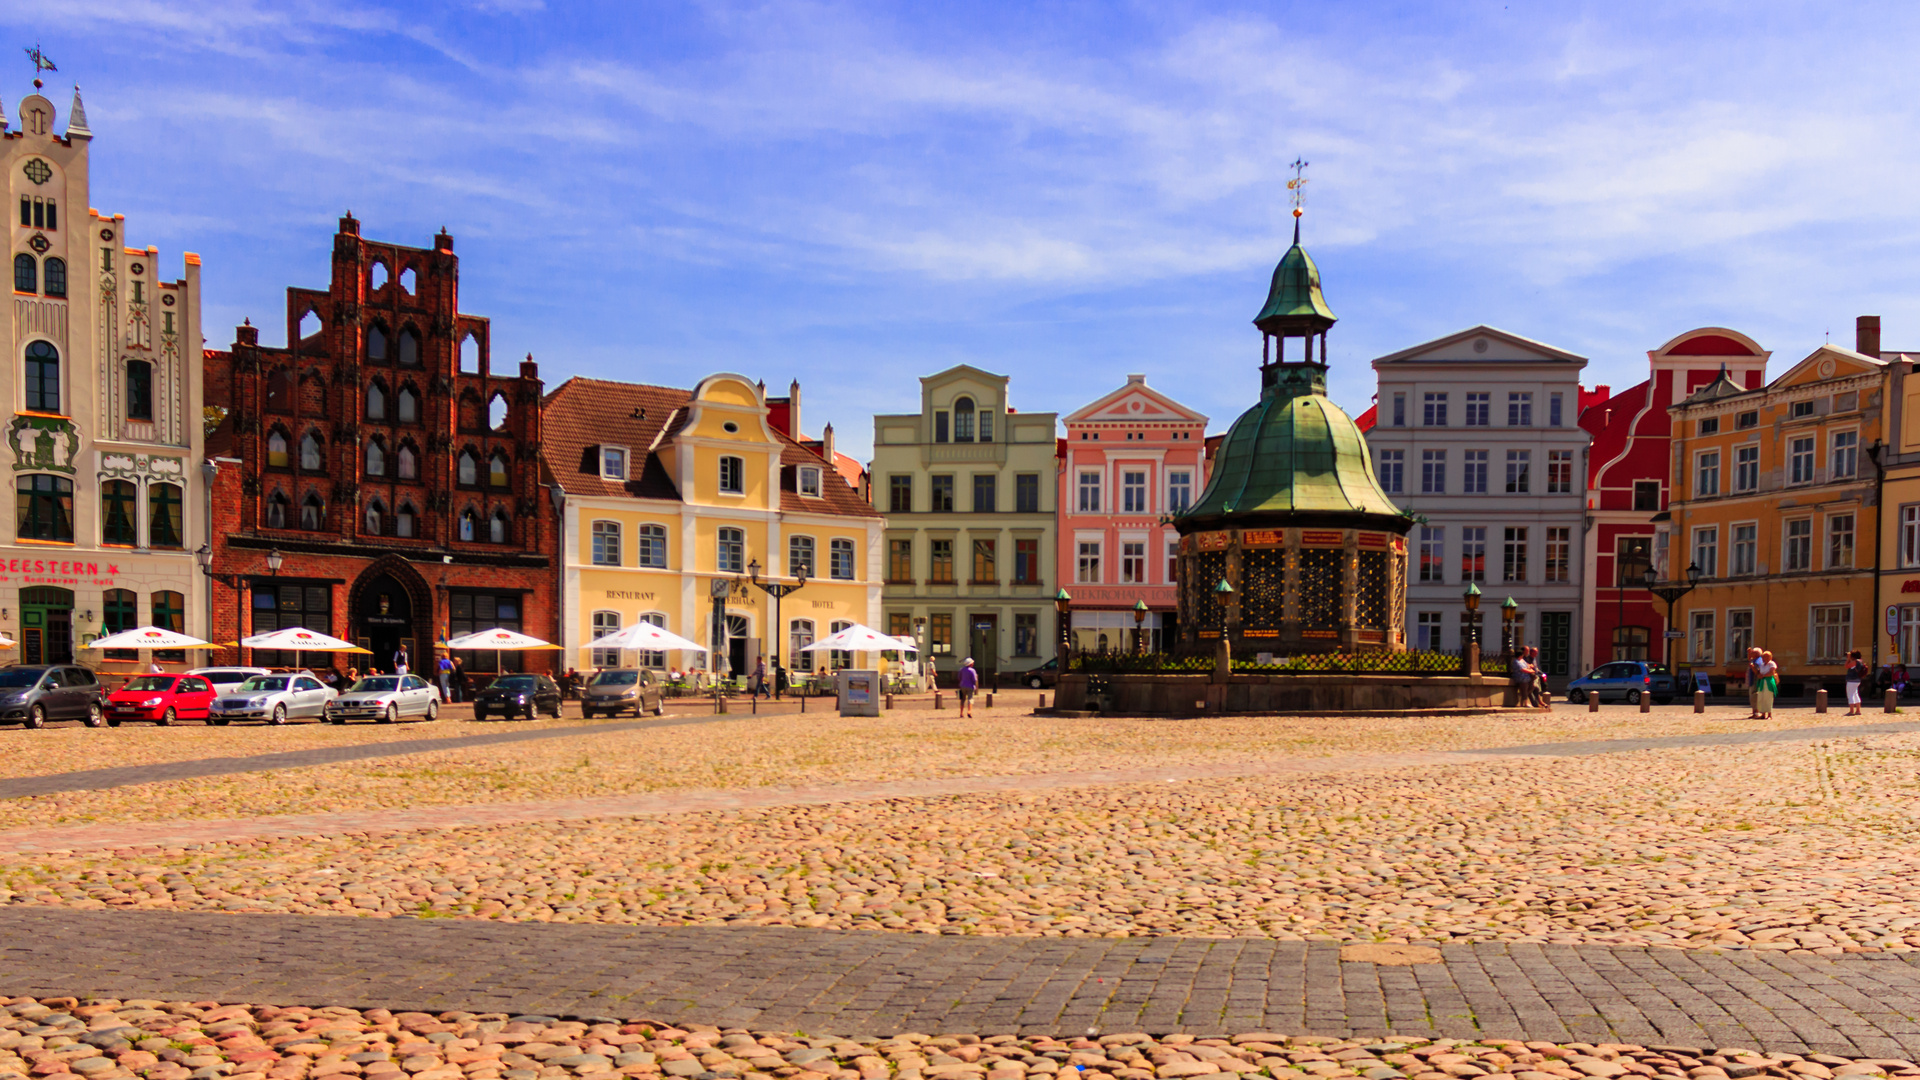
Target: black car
x=518 y=696
x=1043 y=676
x=32 y=694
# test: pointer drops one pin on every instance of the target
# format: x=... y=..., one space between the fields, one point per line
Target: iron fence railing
x=1411 y=662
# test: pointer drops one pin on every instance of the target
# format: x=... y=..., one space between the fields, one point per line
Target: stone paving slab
x=866 y=983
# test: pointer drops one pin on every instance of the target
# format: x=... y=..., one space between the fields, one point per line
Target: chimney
x=826 y=442
x=793 y=411
x=1866 y=335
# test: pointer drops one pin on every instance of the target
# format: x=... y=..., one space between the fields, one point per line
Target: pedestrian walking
x=969 y=681
x=1856 y=674
x=461 y=689
x=446 y=677
x=1767 y=686
x=758 y=681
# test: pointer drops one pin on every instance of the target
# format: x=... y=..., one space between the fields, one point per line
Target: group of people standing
x=1763 y=682
x=1529 y=678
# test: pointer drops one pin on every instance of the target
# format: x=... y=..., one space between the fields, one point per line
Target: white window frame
x=1519 y=408
x=809 y=483
x=739 y=478
x=1852 y=533
x=1739 y=637
x=799 y=636
x=1802 y=450
x=653 y=658
x=1700 y=628
x=1561 y=570
x=1509 y=544
x=1179 y=490
x=1706 y=550
x=1433 y=472
x=1434 y=537
x=1479 y=408
x=1746 y=468
x=841 y=550
x=720 y=544
x=803 y=555
x=599 y=533
x=656 y=540
x=1433 y=409
x=1519 y=481
x=1427 y=633
x=1909 y=553
x=1559 y=472
x=1087 y=556
x=1829 y=632
x=1392 y=468
x=1134 y=493
x=1473 y=471
x=1790 y=560
x=1743 y=552
x=607 y=470
x=1843 y=461
x=1706 y=474
x=604 y=623
x=1399 y=413
x=1133 y=562
x=1087 y=492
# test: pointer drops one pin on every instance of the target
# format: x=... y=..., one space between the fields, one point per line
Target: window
x=119 y=610
x=1700 y=637
x=470 y=610
x=1433 y=552
x=1800 y=408
x=1559 y=564
x=163 y=517
x=1399 y=410
x=1393 y=464
x=1026 y=493
x=900 y=494
x=1479 y=404
x=810 y=482
x=1632 y=558
x=39 y=213
x=1839 y=541
x=1519 y=463
x=139 y=390
x=1133 y=492
x=407 y=463
x=376 y=518
x=940 y=488
x=376 y=400
x=1746 y=468
x=1910 y=535
x=1133 y=563
x=1646 y=494
x=1630 y=642
x=468 y=472
x=984 y=571
x=900 y=560
x=1474 y=475
x=45 y=509
x=1739 y=633
x=1513 y=556
x=409 y=405
x=1554 y=404
x=1088 y=570
x=1559 y=472
x=409 y=348
x=403 y=521
x=840 y=560
x=43 y=377
x=1520 y=409
x=1473 y=553
x=1706 y=550
x=984 y=494
x=1433 y=472
x=376 y=458
x=1844 y=459
x=498 y=528
x=1026 y=635
x=733 y=475
x=118 y=509
x=310 y=457
x=277 y=449
x=940 y=427
x=1709 y=426
x=799 y=637
x=1434 y=410
x=606 y=543
x=730 y=555
x=604 y=623
x=963 y=420
x=1799 y=554
x=1026 y=562
x=1173 y=561
x=313 y=513
x=169 y=613
x=1741 y=422
x=839 y=658
x=376 y=342
x=1089 y=493
x=1746 y=547
x=613 y=463
x=277 y=510
x=986 y=425
x=497 y=469
x=800 y=556
x=56 y=276
x=1706 y=474
x=653 y=546
x=941 y=570
x=1426 y=631
x=940 y=633
x=1832 y=632
x=283 y=607
x=26 y=274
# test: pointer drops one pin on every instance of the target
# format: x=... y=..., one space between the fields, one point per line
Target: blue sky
x=856 y=195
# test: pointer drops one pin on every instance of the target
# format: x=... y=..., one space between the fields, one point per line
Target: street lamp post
x=1470 y=628
x=1139 y=626
x=777 y=590
x=1509 y=615
x=1671 y=592
x=1063 y=610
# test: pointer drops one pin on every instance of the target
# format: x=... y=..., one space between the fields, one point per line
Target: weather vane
x=1297 y=187
x=40 y=64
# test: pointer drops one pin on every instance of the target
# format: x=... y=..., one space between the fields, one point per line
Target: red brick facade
x=400 y=485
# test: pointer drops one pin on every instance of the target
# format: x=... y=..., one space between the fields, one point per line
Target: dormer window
x=613 y=463
x=810 y=482
x=733 y=476
x=963 y=420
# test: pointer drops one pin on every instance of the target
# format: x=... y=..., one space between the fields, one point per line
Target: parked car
x=613 y=689
x=160 y=699
x=273 y=698
x=228 y=678
x=32 y=694
x=385 y=698
x=1625 y=680
x=1045 y=675
x=518 y=695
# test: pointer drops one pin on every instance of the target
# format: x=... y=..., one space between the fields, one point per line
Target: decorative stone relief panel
x=43 y=444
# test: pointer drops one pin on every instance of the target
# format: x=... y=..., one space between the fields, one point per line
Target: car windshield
x=151 y=682
x=265 y=682
x=513 y=682
x=385 y=685
x=22 y=677
x=1658 y=669
x=224 y=676
x=616 y=678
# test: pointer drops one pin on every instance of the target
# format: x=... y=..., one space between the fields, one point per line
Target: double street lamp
x=1671 y=592
x=777 y=590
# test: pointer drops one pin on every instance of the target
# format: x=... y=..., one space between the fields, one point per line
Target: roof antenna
x=1298 y=188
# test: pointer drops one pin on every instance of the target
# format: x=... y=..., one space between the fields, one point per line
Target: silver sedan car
x=386 y=698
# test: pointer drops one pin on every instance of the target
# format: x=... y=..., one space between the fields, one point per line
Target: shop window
x=799 y=638
x=471 y=611
x=604 y=623
x=1026 y=635
x=285 y=607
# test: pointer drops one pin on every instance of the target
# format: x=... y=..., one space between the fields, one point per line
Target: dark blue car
x=1624 y=680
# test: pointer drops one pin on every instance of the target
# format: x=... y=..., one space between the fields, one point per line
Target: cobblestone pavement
x=1730 y=738
x=879 y=984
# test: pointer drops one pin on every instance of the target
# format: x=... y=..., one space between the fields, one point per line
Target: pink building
x=1129 y=460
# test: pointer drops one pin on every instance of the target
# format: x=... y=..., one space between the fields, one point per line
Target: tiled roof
x=581 y=415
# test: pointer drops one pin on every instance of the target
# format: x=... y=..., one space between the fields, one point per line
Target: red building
x=1628 y=477
x=390 y=467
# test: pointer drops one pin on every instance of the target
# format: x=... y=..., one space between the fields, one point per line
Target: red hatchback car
x=161 y=699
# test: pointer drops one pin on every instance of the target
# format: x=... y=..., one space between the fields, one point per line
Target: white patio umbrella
x=301 y=640
x=645 y=636
x=856 y=638
x=149 y=637
x=499 y=639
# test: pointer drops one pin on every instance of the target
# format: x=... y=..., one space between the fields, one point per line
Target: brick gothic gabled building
x=388 y=460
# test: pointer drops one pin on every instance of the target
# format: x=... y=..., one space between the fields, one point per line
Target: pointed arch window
x=277 y=511
x=497 y=528
x=497 y=413
x=407 y=462
x=376 y=457
x=409 y=401
x=376 y=400
x=497 y=475
x=403 y=522
x=311 y=459
x=43 y=377
x=119 y=506
x=376 y=517
x=139 y=390
x=26 y=274
x=376 y=342
x=277 y=449
x=164 y=524
x=54 y=272
x=469 y=472
x=469 y=523
x=313 y=513
x=409 y=348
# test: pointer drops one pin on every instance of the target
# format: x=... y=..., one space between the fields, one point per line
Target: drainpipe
x=1874 y=454
x=208 y=472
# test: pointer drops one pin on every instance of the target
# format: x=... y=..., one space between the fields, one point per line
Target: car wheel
x=1035 y=682
x=660 y=707
x=392 y=714
x=113 y=722
x=532 y=711
x=1577 y=697
x=37 y=716
x=219 y=721
x=279 y=716
x=1633 y=697
x=586 y=713
x=167 y=718
x=433 y=711
x=341 y=720
x=479 y=714
x=96 y=716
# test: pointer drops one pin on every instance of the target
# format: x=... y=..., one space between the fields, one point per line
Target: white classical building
x=103 y=391
x=1478 y=435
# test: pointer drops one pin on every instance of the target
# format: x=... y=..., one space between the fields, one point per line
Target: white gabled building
x=1478 y=434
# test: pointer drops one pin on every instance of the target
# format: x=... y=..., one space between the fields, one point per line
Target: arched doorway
x=383 y=621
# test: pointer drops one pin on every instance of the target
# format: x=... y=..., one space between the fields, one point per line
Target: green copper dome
x=1296 y=454
x=1295 y=295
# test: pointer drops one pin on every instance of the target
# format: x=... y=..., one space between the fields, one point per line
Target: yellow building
x=1776 y=508
x=665 y=492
